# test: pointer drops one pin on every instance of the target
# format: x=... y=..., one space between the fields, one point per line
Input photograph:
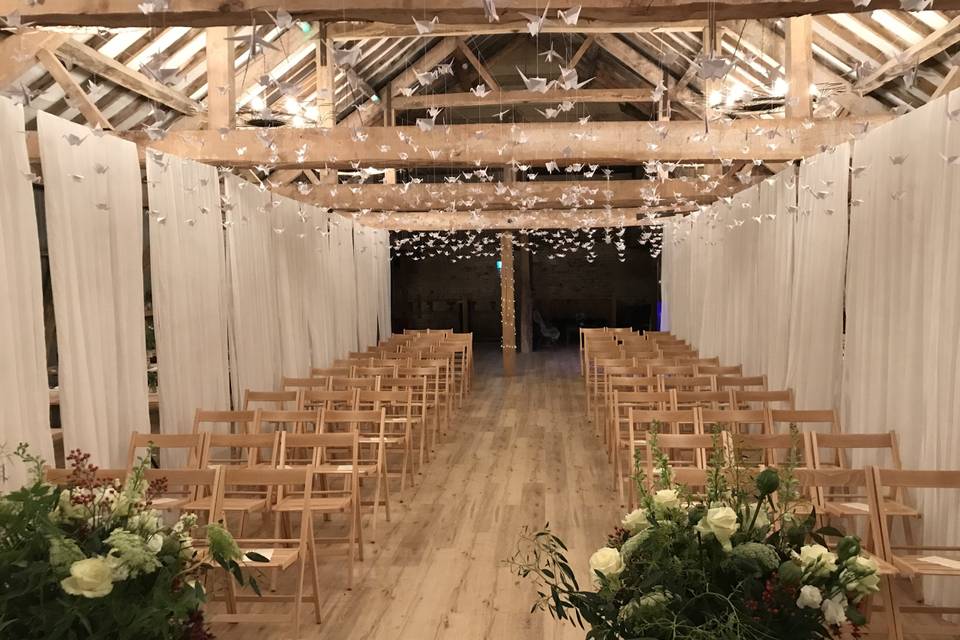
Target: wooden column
x=526 y=298
x=711 y=48
x=326 y=85
x=389 y=120
x=507 y=306
x=221 y=79
x=799 y=65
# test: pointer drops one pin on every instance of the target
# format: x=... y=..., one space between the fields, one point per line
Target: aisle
x=521 y=454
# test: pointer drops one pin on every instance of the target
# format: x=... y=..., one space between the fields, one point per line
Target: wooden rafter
x=529 y=195
x=18 y=52
x=115 y=13
x=106 y=67
x=581 y=51
x=73 y=91
x=933 y=44
x=616 y=143
x=474 y=61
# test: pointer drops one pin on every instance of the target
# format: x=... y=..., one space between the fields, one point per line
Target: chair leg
x=376 y=508
x=276 y=534
x=298 y=596
x=910 y=535
x=315 y=574
x=895 y=629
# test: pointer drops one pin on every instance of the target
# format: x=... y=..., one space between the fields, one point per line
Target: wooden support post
x=950 y=82
x=326 y=85
x=221 y=79
x=711 y=48
x=526 y=298
x=799 y=45
x=507 y=306
x=389 y=120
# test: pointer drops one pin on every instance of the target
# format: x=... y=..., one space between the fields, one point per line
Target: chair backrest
x=391 y=400
x=373 y=371
x=189 y=443
x=300 y=421
x=751 y=399
x=304 y=383
x=338 y=384
x=697 y=445
x=633 y=383
x=313 y=399
x=242 y=449
x=669 y=420
x=688 y=383
x=672 y=370
x=289 y=399
x=334 y=421
x=825 y=420
x=743 y=383
x=843 y=444
x=735 y=420
x=774 y=448
x=823 y=484
x=708 y=399
x=205 y=421
x=328 y=372
x=717 y=370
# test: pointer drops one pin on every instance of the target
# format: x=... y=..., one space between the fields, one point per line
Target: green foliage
x=155 y=592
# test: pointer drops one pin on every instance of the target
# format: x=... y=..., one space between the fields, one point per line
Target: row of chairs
x=753 y=434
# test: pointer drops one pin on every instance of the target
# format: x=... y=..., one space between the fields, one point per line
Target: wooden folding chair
x=717 y=370
x=687 y=383
x=371 y=427
x=920 y=559
x=742 y=383
x=769 y=449
x=697 y=446
x=316 y=399
x=298 y=384
x=705 y=399
x=763 y=399
x=280 y=551
x=400 y=424
x=185 y=449
x=735 y=421
x=617 y=435
x=639 y=424
x=299 y=421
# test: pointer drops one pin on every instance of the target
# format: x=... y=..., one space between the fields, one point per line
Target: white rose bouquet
x=731 y=564
x=93 y=560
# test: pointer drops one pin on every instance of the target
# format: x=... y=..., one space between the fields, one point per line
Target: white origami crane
x=346 y=57
x=915 y=5
x=425 y=78
x=426 y=26
x=550 y=54
x=714 y=68
x=537 y=85
x=570 y=80
x=535 y=23
x=571 y=16
x=549 y=113
x=480 y=90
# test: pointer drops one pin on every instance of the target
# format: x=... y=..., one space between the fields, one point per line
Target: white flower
x=666 y=499
x=722 y=523
x=834 y=609
x=607 y=561
x=654 y=599
x=155 y=543
x=636 y=521
x=90 y=578
x=810 y=597
x=147 y=521
x=860 y=577
x=818 y=560
x=763 y=518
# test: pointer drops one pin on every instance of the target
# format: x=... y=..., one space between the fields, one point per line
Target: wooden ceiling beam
x=370 y=30
x=471 y=145
x=496 y=99
x=74 y=92
x=520 y=195
x=125 y=13
x=541 y=219
x=933 y=44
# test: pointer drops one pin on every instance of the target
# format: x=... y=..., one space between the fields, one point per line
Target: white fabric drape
x=343 y=274
x=256 y=355
x=819 y=255
x=902 y=362
x=23 y=359
x=384 y=318
x=95 y=226
x=190 y=289
x=293 y=251
x=368 y=281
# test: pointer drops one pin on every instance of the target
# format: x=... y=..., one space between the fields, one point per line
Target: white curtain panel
x=344 y=278
x=368 y=284
x=819 y=263
x=293 y=248
x=22 y=347
x=95 y=232
x=322 y=312
x=256 y=354
x=902 y=362
x=188 y=271
x=384 y=318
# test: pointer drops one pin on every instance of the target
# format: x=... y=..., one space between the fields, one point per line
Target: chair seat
x=362 y=469
x=854 y=507
x=934 y=563
x=279 y=558
x=323 y=505
x=163 y=503
x=386 y=440
x=229 y=504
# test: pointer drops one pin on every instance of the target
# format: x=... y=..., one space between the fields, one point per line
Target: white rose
x=90 y=578
x=722 y=523
x=810 y=597
x=666 y=499
x=147 y=521
x=834 y=609
x=860 y=576
x=818 y=559
x=607 y=561
x=155 y=543
x=636 y=521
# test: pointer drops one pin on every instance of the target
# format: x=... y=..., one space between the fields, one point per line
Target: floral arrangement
x=745 y=560
x=93 y=560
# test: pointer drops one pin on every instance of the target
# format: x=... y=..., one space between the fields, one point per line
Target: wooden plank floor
x=520 y=453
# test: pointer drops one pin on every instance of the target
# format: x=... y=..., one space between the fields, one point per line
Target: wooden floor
x=520 y=454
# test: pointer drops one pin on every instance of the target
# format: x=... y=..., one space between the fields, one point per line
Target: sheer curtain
x=22 y=346
x=95 y=225
x=384 y=317
x=293 y=252
x=343 y=274
x=188 y=271
x=816 y=301
x=255 y=344
x=368 y=286
x=902 y=361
